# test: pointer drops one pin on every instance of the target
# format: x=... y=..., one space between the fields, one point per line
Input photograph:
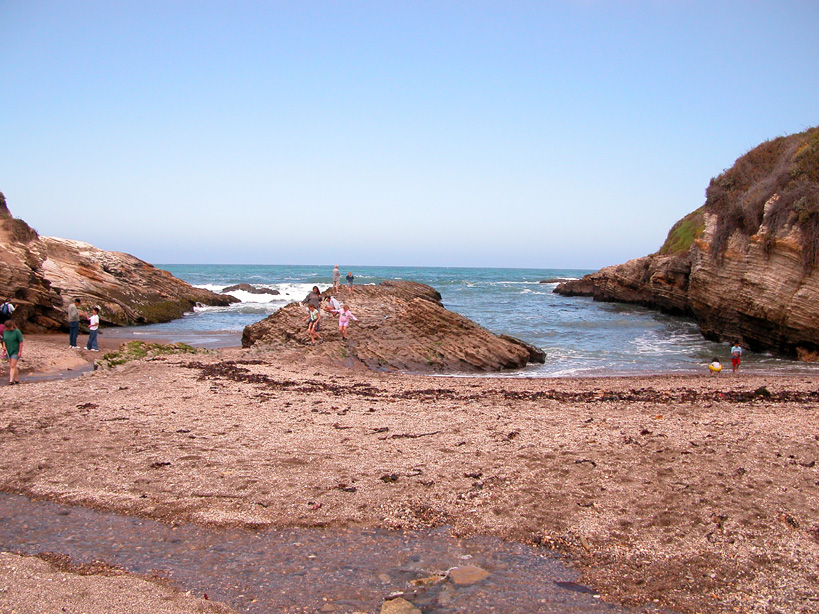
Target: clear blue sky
x=469 y=133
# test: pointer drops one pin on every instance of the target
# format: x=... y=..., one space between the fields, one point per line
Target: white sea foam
x=288 y=293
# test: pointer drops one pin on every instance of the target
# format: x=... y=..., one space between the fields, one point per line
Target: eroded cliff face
x=748 y=268
x=43 y=275
x=402 y=326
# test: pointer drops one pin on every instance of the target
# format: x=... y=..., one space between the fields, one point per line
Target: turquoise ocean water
x=580 y=337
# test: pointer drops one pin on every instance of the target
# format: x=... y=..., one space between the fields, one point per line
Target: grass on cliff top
x=137 y=350
x=786 y=168
x=683 y=234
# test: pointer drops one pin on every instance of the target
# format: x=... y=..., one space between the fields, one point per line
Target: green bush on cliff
x=785 y=170
x=683 y=233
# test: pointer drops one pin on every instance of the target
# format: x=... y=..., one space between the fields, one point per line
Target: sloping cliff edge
x=43 y=275
x=744 y=265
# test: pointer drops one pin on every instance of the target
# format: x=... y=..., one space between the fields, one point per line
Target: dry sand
x=698 y=493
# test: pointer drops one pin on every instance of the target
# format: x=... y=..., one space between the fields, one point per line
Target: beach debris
x=585 y=460
x=476 y=475
x=577 y=588
x=413 y=436
x=389 y=477
x=345 y=487
x=159 y=464
x=429 y=580
x=87 y=406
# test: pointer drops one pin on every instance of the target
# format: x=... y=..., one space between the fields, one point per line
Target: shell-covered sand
x=697 y=493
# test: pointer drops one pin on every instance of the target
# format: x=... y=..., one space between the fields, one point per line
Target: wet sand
x=696 y=493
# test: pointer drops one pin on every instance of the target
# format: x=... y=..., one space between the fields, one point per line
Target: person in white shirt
x=93 y=327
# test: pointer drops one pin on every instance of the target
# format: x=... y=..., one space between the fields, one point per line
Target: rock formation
x=744 y=265
x=402 y=327
x=42 y=275
x=251 y=289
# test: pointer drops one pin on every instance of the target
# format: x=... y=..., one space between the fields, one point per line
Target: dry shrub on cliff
x=786 y=168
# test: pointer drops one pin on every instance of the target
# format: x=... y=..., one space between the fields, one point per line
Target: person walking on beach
x=6 y=310
x=13 y=346
x=336 y=278
x=344 y=317
x=736 y=356
x=350 y=279
x=73 y=323
x=313 y=319
x=93 y=328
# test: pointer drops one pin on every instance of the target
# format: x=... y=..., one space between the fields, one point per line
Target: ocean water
x=579 y=336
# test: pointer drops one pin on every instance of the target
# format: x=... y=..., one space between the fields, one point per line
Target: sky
x=543 y=134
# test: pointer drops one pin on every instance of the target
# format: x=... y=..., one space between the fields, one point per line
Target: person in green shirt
x=13 y=343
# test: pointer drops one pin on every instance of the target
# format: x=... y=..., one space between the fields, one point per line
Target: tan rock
x=43 y=275
x=468 y=574
x=399 y=605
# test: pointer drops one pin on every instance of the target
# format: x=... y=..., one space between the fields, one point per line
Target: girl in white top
x=93 y=327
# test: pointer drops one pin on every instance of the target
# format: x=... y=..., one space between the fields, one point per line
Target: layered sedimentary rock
x=744 y=265
x=402 y=326
x=43 y=275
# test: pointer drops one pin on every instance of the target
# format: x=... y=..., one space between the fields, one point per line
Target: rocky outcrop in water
x=402 y=326
x=250 y=289
x=744 y=265
x=42 y=275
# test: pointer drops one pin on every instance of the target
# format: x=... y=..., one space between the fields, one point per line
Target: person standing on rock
x=344 y=317
x=313 y=319
x=336 y=278
x=736 y=356
x=350 y=279
x=73 y=324
x=6 y=310
x=13 y=346
x=314 y=299
x=93 y=329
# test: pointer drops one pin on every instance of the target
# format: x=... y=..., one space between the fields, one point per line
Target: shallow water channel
x=305 y=570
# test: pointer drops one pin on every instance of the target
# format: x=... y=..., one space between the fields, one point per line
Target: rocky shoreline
x=695 y=493
x=744 y=264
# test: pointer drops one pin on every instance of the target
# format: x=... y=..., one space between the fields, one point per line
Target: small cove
x=305 y=570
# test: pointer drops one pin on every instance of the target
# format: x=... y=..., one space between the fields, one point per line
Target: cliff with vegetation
x=743 y=265
x=43 y=275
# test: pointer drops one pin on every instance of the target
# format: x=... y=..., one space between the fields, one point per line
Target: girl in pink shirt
x=344 y=316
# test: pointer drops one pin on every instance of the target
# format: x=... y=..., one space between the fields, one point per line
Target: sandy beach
x=696 y=493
